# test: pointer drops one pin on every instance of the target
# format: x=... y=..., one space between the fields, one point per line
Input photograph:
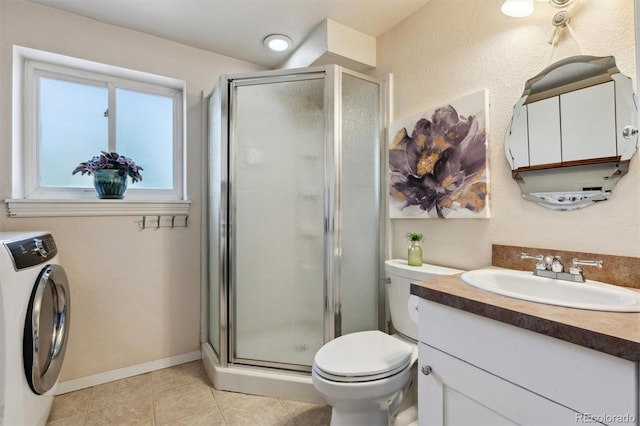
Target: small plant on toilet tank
x=414 y=253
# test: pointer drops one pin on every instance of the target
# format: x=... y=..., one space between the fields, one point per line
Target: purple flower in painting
x=440 y=166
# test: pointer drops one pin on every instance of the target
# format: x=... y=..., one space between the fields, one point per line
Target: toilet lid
x=362 y=354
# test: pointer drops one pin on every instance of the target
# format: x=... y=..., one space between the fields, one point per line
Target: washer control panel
x=31 y=251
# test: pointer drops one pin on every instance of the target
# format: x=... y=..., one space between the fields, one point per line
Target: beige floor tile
x=70 y=404
x=77 y=420
x=306 y=413
x=225 y=396
x=180 y=375
x=179 y=396
x=120 y=391
x=209 y=417
x=178 y=402
x=135 y=412
x=256 y=411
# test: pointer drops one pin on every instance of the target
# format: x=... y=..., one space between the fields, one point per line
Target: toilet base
x=368 y=413
x=368 y=416
x=406 y=413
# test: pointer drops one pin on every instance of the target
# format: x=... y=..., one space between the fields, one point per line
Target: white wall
x=450 y=48
x=135 y=294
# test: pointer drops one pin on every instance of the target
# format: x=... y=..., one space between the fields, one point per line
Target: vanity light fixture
x=559 y=3
x=517 y=8
x=278 y=42
x=523 y=8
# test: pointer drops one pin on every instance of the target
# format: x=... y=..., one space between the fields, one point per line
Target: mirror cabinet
x=573 y=133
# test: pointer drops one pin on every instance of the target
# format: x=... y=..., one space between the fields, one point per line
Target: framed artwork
x=438 y=164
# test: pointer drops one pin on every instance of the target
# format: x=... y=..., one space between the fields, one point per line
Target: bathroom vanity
x=494 y=360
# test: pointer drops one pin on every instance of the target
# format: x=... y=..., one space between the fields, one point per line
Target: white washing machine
x=34 y=326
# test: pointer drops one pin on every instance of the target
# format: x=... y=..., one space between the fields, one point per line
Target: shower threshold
x=259 y=381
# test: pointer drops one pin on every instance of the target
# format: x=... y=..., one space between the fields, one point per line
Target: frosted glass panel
x=277 y=220
x=73 y=128
x=360 y=193
x=144 y=132
x=215 y=207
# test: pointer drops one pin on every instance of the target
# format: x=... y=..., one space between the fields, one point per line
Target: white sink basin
x=524 y=285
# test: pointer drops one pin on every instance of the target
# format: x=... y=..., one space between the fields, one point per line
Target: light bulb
x=277 y=42
x=517 y=8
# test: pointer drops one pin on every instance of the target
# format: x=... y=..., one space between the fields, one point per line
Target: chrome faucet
x=551 y=267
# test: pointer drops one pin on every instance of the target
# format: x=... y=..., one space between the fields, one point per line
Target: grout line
x=86 y=411
x=153 y=402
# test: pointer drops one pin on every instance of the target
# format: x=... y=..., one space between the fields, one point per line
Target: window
x=70 y=109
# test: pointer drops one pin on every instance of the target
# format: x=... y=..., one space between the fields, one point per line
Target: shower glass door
x=276 y=218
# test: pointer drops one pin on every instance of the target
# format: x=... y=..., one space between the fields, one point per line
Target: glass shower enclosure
x=294 y=217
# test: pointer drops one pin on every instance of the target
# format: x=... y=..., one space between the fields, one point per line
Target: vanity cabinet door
x=457 y=393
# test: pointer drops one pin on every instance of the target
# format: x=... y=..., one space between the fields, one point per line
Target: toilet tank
x=399 y=276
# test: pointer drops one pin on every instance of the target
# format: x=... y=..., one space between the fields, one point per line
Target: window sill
x=76 y=208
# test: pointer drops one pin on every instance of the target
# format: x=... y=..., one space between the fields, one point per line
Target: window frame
x=31 y=64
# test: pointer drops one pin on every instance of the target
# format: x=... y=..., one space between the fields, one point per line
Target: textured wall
x=135 y=294
x=450 y=48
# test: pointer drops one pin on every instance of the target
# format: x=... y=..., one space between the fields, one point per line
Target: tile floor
x=180 y=395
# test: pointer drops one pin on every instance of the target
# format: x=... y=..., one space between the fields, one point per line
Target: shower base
x=259 y=381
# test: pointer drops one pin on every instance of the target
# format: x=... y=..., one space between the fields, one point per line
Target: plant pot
x=109 y=184
x=414 y=254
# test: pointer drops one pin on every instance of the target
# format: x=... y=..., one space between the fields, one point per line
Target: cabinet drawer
x=582 y=379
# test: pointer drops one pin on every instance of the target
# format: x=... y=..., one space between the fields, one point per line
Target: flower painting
x=438 y=166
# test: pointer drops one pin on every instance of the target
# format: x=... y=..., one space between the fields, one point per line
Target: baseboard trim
x=123 y=373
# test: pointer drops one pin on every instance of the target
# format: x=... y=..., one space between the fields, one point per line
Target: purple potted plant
x=110 y=171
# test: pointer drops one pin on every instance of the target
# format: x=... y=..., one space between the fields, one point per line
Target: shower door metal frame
x=332 y=203
x=252 y=80
x=332 y=214
x=333 y=107
x=384 y=118
x=223 y=270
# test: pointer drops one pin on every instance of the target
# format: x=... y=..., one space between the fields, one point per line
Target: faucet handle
x=524 y=255
x=575 y=265
x=540 y=265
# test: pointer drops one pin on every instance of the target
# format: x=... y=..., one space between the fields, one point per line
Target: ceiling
x=236 y=28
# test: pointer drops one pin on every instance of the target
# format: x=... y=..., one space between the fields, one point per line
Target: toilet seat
x=362 y=356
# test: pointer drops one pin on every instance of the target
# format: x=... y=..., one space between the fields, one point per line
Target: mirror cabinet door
x=589 y=123
x=545 y=144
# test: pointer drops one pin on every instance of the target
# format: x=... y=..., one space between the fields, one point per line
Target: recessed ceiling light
x=278 y=42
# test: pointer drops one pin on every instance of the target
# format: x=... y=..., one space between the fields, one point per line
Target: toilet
x=369 y=377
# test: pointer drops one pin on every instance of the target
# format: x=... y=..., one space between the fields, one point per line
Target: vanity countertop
x=613 y=333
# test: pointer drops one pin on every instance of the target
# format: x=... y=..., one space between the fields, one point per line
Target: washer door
x=46 y=329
